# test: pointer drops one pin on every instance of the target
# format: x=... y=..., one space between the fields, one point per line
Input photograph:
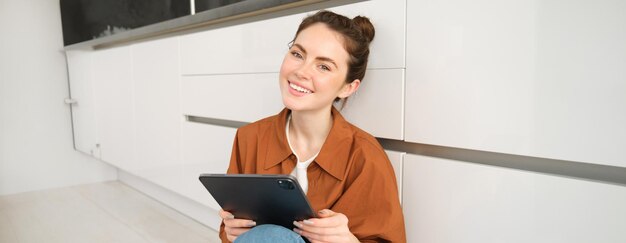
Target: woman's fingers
x=317 y=228
x=239 y=223
x=226 y=215
x=331 y=220
x=330 y=227
x=235 y=227
x=230 y=221
x=325 y=213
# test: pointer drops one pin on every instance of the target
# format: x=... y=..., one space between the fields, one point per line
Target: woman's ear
x=349 y=89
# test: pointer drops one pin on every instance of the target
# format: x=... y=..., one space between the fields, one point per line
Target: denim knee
x=269 y=233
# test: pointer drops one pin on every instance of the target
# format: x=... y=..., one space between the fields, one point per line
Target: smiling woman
x=344 y=170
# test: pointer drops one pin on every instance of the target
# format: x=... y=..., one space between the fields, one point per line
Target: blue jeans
x=269 y=233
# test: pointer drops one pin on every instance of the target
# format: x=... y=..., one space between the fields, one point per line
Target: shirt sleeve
x=370 y=200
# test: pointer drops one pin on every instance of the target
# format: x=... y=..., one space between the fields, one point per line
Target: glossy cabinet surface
x=542 y=79
x=397 y=161
x=245 y=48
x=156 y=105
x=453 y=201
x=115 y=119
x=378 y=105
x=205 y=149
x=237 y=97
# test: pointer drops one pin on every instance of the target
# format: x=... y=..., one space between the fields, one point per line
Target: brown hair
x=357 y=33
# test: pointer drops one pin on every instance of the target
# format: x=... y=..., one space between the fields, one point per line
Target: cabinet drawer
x=237 y=97
x=454 y=201
x=205 y=149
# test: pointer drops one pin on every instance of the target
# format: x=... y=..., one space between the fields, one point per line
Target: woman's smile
x=298 y=90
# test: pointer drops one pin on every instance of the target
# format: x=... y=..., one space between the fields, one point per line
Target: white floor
x=101 y=212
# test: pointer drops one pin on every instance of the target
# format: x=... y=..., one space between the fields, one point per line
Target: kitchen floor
x=100 y=212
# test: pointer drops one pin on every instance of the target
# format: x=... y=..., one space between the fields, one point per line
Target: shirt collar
x=334 y=152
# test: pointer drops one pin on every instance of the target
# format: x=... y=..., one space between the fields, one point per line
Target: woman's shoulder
x=365 y=145
x=363 y=139
x=257 y=125
x=360 y=138
x=368 y=156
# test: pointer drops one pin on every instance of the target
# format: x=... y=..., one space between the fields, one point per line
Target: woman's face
x=313 y=72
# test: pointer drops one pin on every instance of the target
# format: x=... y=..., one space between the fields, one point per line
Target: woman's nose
x=303 y=72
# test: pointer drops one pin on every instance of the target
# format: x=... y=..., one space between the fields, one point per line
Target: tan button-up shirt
x=351 y=175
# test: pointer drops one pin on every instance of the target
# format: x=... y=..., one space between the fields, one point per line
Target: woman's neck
x=308 y=131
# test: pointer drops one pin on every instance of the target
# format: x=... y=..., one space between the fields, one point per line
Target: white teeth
x=299 y=89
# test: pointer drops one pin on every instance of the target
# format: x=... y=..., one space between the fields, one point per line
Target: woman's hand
x=329 y=227
x=235 y=227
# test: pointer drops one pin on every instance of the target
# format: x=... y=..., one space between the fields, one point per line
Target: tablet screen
x=266 y=199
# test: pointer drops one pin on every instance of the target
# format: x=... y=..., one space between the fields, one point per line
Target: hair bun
x=366 y=27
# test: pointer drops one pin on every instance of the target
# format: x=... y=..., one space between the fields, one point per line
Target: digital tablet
x=266 y=199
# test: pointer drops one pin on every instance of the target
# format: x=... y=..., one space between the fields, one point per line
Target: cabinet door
x=453 y=201
x=397 y=161
x=113 y=86
x=256 y=47
x=205 y=149
x=237 y=97
x=534 y=78
x=83 y=111
x=157 y=113
x=378 y=105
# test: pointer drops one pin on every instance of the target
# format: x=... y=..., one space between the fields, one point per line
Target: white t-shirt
x=300 y=172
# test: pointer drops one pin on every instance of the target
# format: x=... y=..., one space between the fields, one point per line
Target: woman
x=344 y=171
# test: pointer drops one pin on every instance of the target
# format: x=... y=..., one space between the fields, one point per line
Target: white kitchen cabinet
x=256 y=47
x=115 y=121
x=450 y=201
x=259 y=47
x=378 y=105
x=534 y=78
x=397 y=161
x=237 y=97
x=83 y=111
x=157 y=114
x=205 y=149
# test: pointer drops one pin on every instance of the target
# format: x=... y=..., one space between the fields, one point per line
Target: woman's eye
x=324 y=68
x=296 y=54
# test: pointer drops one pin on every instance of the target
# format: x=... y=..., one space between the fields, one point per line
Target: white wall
x=36 y=150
